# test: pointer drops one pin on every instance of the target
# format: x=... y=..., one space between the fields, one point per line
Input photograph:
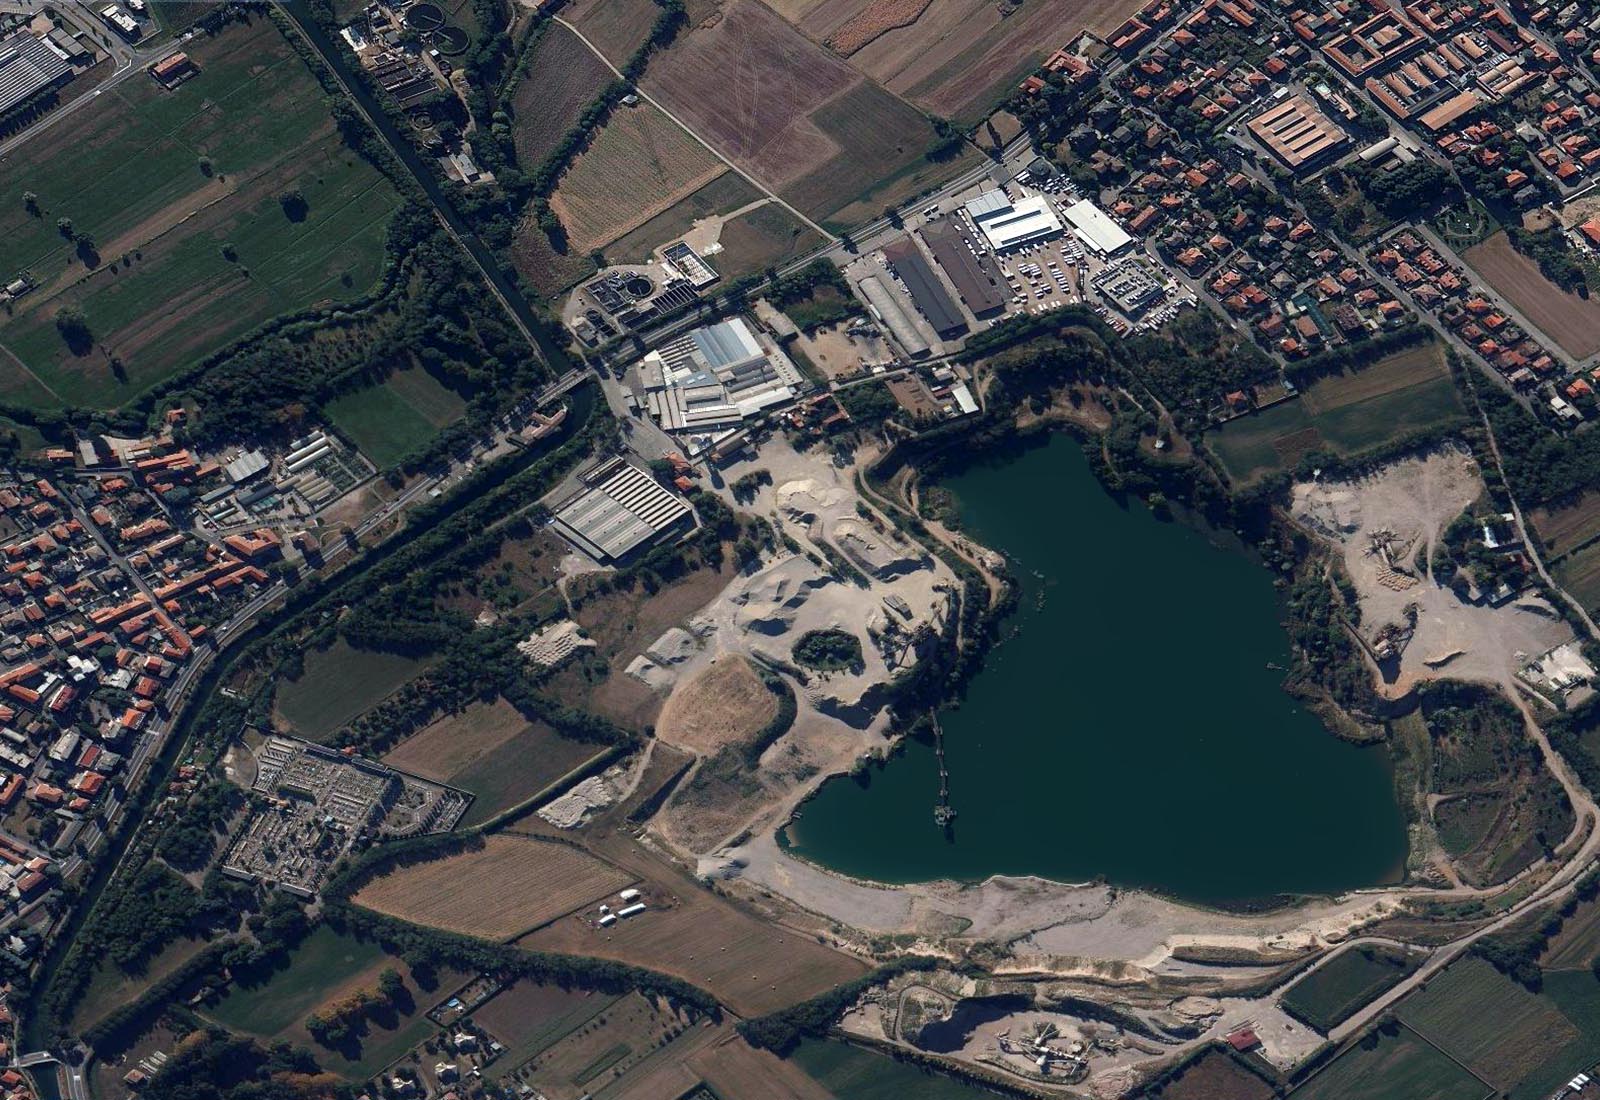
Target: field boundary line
x=1424 y=1037
x=648 y=98
x=30 y=373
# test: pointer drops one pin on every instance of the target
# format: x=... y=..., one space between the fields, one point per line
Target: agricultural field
x=616 y=27
x=1406 y=392
x=794 y=116
x=509 y=886
x=639 y=165
x=1333 y=992
x=850 y=1071
x=493 y=752
x=1579 y=574
x=1570 y=526
x=175 y=198
x=547 y=270
x=768 y=236
x=323 y=968
x=1577 y=945
x=1215 y=1076
x=1569 y=320
x=528 y=1017
x=725 y=705
x=748 y=964
x=722 y=196
x=1397 y=1064
x=339 y=684
x=563 y=76
x=1487 y=1022
x=393 y=418
x=591 y=1057
x=957 y=58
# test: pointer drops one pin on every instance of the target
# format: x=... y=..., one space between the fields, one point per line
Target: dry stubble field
x=511 y=884
x=639 y=164
x=563 y=78
x=1569 y=320
x=616 y=27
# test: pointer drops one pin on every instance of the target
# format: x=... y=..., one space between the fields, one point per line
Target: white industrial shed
x=1096 y=229
x=622 y=509
x=1007 y=224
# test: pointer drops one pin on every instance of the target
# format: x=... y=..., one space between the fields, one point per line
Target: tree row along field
x=167 y=223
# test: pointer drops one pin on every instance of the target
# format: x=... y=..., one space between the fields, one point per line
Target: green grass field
x=1333 y=992
x=1579 y=574
x=390 y=420
x=340 y=683
x=1347 y=414
x=325 y=965
x=1397 y=1066
x=128 y=173
x=518 y=770
x=1484 y=1020
x=849 y=1071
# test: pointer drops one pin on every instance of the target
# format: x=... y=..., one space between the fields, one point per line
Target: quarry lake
x=1136 y=728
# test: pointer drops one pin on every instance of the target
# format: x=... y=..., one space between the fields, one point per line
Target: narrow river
x=1136 y=729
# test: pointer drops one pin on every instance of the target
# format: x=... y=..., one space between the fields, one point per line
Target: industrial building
x=1096 y=230
x=29 y=65
x=1297 y=133
x=885 y=306
x=713 y=378
x=922 y=283
x=1008 y=225
x=620 y=509
x=975 y=277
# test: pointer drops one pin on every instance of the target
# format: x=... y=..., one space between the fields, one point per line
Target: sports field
x=1569 y=320
x=637 y=166
x=183 y=243
x=563 y=77
x=340 y=683
x=390 y=420
x=1349 y=413
x=1487 y=1022
x=1334 y=991
x=795 y=116
x=495 y=753
x=510 y=885
x=1393 y=1065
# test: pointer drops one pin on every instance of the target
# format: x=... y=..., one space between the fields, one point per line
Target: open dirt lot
x=639 y=165
x=1570 y=321
x=513 y=883
x=787 y=111
x=1415 y=499
x=725 y=704
x=563 y=78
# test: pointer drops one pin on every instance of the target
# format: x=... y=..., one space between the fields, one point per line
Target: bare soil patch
x=875 y=19
x=726 y=704
x=1569 y=320
x=511 y=884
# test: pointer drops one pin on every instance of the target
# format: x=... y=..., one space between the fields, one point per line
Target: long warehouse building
x=976 y=280
x=887 y=307
x=28 y=66
x=1008 y=224
x=622 y=509
x=1095 y=229
x=927 y=293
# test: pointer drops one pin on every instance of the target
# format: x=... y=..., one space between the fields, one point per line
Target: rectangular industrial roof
x=926 y=291
x=1095 y=227
x=1296 y=132
x=623 y=511
x=1009 y=224
x=726 y=343
x=27 y=66
x=975 y=281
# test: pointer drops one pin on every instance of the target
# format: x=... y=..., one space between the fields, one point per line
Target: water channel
x=1136 y=729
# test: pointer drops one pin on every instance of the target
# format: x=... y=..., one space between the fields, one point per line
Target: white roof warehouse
x=1008 y=224
x=1096 y=229
x=28 y=65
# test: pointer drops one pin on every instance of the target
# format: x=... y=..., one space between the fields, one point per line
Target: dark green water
x=1134 y=730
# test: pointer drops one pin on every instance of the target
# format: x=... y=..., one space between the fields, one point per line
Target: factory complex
x=709 y=381
x=619 y=510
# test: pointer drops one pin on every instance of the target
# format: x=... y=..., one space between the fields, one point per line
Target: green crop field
x=1333 y=992
x=182 y=242
x=1488 y=1022
x=1397 y=1065
x=340 y=683
x=1407 y=392
x=390 y=420
x=846 y=1070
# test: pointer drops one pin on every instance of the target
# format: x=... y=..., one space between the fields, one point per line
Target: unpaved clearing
x=1410 y=503
x=725 y=704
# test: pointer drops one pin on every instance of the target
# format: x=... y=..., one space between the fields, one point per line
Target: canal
x=1135 y=729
